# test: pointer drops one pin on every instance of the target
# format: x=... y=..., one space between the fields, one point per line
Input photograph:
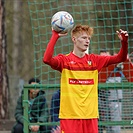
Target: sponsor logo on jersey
x=81 y=81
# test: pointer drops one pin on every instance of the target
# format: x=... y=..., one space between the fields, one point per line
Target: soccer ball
x=62 y=22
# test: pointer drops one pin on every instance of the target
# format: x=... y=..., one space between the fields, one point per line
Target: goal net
x=115 y=82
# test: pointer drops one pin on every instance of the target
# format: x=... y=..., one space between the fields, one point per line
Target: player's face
x=81 y=41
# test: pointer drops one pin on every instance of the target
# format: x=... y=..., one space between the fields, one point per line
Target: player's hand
x=34 y=128
x=123 y=35
x=60 y=34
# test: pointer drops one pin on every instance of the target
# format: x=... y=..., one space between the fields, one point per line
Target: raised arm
x=48 y=55
x=122 y=55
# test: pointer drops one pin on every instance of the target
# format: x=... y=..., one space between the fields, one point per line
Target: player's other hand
x=60 y=34
x=123 y=35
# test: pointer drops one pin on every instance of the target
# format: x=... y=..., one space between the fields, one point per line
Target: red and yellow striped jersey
x=79 y=79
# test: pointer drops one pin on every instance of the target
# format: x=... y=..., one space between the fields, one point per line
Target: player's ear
x=73 y=38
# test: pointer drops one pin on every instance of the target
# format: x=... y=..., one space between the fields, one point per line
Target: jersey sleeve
x=104 y=61
x=48 y=57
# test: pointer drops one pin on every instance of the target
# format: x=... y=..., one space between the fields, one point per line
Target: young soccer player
x=79 y=79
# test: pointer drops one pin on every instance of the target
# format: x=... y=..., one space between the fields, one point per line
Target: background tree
x=4 y=91
x=20 y=48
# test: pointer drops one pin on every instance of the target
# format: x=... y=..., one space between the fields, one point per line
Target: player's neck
x=78 y=53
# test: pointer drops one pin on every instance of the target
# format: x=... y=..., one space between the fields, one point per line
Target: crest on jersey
x=89 y=63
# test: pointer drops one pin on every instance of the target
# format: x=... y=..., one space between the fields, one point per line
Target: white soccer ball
x=62 y=22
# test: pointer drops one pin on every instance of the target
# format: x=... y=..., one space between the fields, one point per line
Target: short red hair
x=82 y=28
